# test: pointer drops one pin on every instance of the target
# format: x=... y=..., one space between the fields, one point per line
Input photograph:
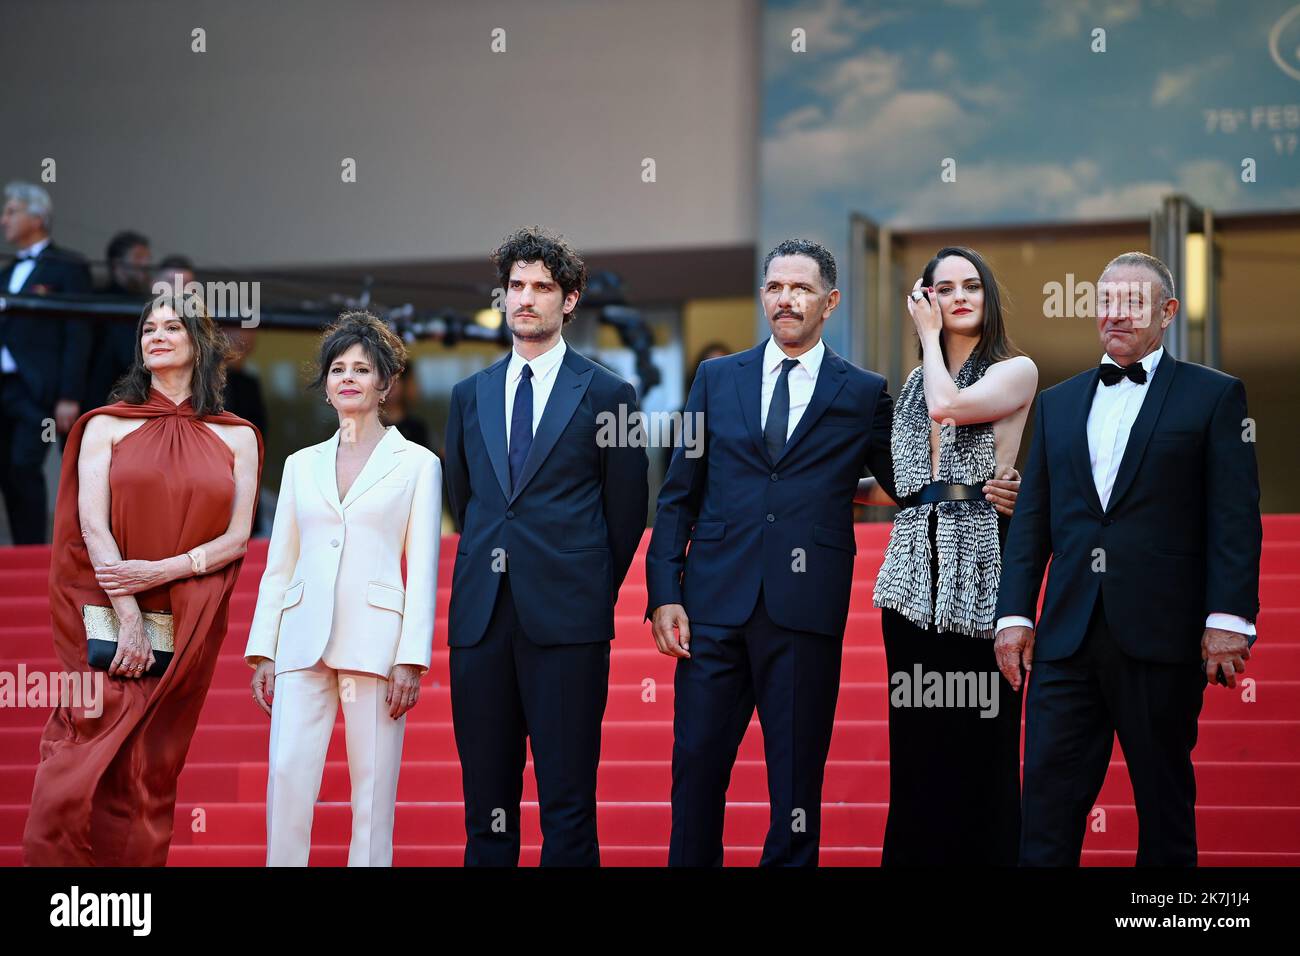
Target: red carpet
x=1247 y=760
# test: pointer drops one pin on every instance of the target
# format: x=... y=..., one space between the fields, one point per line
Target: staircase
x=1247 y=759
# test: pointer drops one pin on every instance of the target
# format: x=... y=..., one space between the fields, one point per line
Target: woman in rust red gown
x=155 y=504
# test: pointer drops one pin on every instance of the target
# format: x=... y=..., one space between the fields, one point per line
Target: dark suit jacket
x=747 y=519
x=569 y=530
x=243 y=397
x=51 y=351
x=1180 y=536
x=112 y=353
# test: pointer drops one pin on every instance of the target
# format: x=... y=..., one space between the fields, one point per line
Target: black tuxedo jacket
x=1180 y=537
x=51 y=351
x=785 y=525
x=568 y=531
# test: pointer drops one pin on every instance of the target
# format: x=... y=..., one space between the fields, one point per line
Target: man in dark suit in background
x=755 y=611
x=552 y=516
x=42 y=358
x=243 y=396
x=176 y=271
x=112 y=347
x=1142 y=488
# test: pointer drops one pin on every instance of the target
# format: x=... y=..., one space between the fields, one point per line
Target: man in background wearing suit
x=1142 y=488
x=42 y=357
x=551 y=519
x=112 y=349
x=755 y=611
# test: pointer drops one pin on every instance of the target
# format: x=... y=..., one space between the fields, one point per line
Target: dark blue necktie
x=778 y=412
x=521 y=425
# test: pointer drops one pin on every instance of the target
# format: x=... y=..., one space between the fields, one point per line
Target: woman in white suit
x=334 y=623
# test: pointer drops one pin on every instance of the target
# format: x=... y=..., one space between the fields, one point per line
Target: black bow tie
x=1112 y=374
x=26 y=255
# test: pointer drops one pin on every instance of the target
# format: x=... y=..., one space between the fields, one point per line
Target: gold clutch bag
x=101 y=637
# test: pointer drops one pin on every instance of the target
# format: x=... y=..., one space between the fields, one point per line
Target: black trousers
x=22 y=457
x=1075 y=708
x=954 y=771
x=506 y=690
x=794 y=678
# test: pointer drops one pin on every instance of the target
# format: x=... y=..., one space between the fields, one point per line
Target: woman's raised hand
x=925 y=311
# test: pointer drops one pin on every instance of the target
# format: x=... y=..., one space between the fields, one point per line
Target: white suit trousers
x=303 y=710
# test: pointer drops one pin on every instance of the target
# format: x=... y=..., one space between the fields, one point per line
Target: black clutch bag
x=101 y=637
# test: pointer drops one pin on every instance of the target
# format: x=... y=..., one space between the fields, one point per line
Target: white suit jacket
x=332 y=590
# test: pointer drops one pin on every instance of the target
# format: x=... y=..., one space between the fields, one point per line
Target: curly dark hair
x=211 y=352
x=382 y=346
x=535 y=244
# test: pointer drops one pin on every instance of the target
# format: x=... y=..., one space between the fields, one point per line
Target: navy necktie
x=521 y=425
x=778 y=412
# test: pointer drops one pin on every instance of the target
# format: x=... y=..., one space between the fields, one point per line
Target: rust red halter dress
x=105 y=789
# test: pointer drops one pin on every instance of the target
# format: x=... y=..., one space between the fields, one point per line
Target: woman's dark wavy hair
x=383 y=348
x=211 y=352
x=535 y=244
x=994 y=344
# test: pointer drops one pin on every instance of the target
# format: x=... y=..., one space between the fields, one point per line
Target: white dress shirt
x=1114 y=410
x=17 y=279
x=545 y=370
x=802 y=379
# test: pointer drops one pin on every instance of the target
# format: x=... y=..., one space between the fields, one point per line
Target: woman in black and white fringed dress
x=954 y=721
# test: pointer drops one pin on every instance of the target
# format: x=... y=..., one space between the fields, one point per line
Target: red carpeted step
x=1277 y=590
x=1217 y=782
x=25 y=634
x=642 y=739
x=1272 y=700
x=635 y=659
x=1275 y=829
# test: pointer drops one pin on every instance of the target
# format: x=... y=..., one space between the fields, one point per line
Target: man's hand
x=66 y=413
x=1003 y=491
x=1225 y=654
x=667 y=618
x=1011 y=646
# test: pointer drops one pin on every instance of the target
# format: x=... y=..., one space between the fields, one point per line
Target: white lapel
x=382 y=460
x=323 y=471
